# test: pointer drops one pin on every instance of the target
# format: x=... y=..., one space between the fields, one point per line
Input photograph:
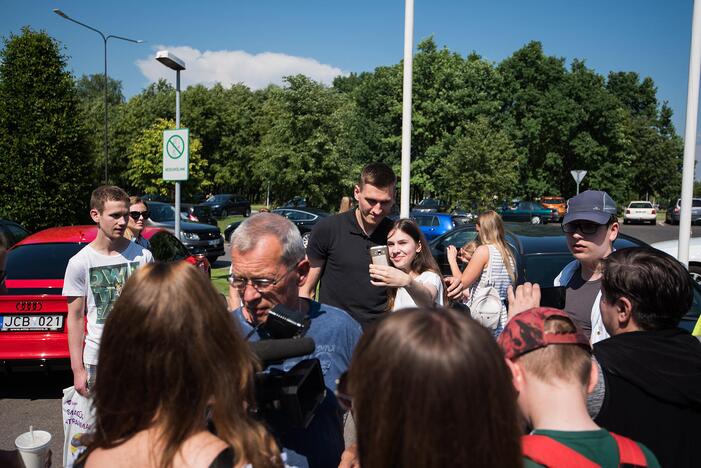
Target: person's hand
x=80 y=381
x=382 y=275
x=526 y=296
x=349 y=458
x=453 y=287
x=451 y=253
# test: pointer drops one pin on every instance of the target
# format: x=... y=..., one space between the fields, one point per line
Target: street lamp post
x=174 y=63
x=104 y=39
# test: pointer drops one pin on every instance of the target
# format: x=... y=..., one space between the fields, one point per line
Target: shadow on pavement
x=35 y=385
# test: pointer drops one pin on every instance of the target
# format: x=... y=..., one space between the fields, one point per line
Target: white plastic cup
x=34 y=448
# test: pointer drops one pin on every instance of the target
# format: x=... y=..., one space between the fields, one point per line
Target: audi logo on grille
x=27 y=306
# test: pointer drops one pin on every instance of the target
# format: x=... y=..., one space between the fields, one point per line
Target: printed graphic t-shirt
x=100 y=278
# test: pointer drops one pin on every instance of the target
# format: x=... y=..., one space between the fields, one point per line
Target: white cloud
x=236 y=66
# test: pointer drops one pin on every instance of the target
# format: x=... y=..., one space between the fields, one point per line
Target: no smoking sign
x=176 y=154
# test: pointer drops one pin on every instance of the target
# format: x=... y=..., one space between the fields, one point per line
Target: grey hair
x=249 y=232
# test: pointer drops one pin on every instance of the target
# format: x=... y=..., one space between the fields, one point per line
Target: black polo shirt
x=345 y=280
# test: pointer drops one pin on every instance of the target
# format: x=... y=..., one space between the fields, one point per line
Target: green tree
x=91 y=92
x=145 y=163
x=299 y=152
x=44 y=152
x=479 y=165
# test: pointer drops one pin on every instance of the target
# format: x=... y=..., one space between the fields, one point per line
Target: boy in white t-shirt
x=94 y=278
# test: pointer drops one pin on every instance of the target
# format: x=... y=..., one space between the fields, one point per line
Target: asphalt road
x=36 y=398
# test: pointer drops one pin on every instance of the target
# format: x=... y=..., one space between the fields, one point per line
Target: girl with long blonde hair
x=492 y=264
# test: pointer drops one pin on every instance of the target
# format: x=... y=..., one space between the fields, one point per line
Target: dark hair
x=105 y=193
x=431 y=389
x=170 y=353
x=423 y=261
x=657 y=285
x=377 y=174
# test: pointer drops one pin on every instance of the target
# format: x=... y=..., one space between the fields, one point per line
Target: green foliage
x=480 y=130
x=145 y=164
x=44 y=152
x=479 y=165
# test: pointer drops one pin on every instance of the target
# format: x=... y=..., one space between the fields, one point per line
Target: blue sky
x=256 y=42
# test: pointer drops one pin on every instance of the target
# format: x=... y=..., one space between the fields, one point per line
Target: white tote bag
x=78 y=419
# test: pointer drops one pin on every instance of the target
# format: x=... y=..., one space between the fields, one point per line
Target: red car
x=33 y=332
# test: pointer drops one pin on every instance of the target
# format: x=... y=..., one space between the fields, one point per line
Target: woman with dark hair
x=414 y=279
x=170 y=357
x=138 y=214
x=431 y=390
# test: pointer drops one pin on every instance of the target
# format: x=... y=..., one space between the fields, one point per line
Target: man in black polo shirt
x=338 y=248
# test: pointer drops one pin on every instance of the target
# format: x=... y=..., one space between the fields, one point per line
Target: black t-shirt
x=579 y=300
x=345 y=280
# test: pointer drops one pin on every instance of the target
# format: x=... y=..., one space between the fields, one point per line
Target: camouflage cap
x=525 y=333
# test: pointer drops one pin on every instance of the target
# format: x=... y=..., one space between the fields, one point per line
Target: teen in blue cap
x=591 y=226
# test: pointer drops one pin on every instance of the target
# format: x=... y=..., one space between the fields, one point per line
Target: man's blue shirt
x=335 y=335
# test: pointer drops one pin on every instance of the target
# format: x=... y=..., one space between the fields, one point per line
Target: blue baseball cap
x=593 y=205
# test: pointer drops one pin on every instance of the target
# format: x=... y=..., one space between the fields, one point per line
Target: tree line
x=482 y=132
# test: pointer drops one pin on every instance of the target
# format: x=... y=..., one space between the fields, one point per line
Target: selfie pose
x=414 y=279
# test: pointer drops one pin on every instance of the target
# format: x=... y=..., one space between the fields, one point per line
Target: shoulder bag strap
x=489 y=281
x=549 y=452
x=629 y=452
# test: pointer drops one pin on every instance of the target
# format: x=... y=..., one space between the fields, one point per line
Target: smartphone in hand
x=379 y=255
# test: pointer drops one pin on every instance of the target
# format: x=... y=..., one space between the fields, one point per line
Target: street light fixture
x=104 y=39
x=174 y=63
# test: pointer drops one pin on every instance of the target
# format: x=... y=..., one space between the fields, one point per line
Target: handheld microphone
x=268 y=351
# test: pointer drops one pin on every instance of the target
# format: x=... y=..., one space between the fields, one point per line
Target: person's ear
x=356 y=193
x=613 y=231
x=303 y=271
x=593 y=376
x=95 y=215
x=517 y=376
x=418 y=246
x=624 y=311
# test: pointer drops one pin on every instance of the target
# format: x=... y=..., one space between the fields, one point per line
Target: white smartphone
x=379 y=256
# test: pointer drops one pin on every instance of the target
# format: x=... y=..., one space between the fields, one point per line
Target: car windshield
x=553 y=201
x=217 y=198
x=40 y=261
x=640 y=205
x=162 y=213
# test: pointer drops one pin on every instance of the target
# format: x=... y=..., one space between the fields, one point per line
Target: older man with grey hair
x=268 y=268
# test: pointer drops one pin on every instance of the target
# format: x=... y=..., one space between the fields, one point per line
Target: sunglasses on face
x=584 y=228
x=135 y=215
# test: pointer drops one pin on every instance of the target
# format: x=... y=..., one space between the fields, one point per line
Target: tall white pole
x=406 y=106
x=692 y=108
x=177 y=125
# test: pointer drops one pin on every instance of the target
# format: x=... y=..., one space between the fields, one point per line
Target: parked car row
x=197 y=237
x=303 y=218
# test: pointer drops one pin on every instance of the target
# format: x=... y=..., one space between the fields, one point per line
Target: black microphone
x=278 y=350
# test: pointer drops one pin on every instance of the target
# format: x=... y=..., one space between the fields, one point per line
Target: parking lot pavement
x=656 y=233
x=33 y=399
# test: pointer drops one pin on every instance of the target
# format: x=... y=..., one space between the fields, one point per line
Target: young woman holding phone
x=414 y=278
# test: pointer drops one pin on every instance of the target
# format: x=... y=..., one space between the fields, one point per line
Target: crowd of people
x=414 y=376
